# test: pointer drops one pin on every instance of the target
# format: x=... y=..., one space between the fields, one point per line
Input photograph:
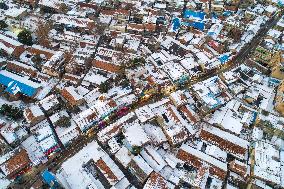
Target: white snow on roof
x=73 y=172
x=36 y=111
x=33 y=149
x=204 y=157
x=228 y=119
x=227 y=136
x=144 y=113
x=48 y=102
x=135 y=135
x=51 y=3
x=155 y=133
x=143 y=165
x=15 y=12
x=153 y=158
x=267 y=166
x=9 y=134
x=124 y=156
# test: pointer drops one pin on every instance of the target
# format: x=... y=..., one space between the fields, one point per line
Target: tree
x=37 y=60
x=136 y=150
x=46 y=9
x=42 y=33
x=125 y=83
x=4 y=6
x=100 y=28
x=64 y=121
x=235 y=34
x=265 y=113
x=3 y=24
x=226 y=46
x=63 y=8
x=135 y=63
x=25 y=37
x=104 y=87
x=11 y=112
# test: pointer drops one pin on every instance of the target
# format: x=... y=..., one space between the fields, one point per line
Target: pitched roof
x=106 y=66
x=16 y=163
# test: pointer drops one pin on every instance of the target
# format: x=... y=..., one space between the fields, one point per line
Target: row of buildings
x=141 y=94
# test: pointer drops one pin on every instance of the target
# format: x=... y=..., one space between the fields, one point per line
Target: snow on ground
x=4 y=183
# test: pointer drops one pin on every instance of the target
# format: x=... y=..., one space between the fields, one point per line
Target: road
x=243 y=53
x=83 y=140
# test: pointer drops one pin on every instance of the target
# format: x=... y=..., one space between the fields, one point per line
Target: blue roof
x=279 y=47
x=274 y=80
x=223 y=58
x=214 y=97
x=176 y=23
x=16 y=83
x=214 y=15
x=49 y=178
x=211 y=33
x=227 y=13
x=195 y=14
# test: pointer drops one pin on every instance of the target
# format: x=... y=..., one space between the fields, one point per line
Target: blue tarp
x=50 y=179
x=273 y=81
x=280 y=3
x=176 y=24
x=223 y=58
x=214 y=97
x=183 y=79
x=210 y=33
x=214 y=15
x=194 y=14
x=13 y=85
x=254 y=117
x=227 y=13
x=279 y=47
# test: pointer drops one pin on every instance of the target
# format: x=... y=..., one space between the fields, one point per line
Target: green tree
x=63 y=8
x=265 y=113
x=64 y=121
x=3 y=6
x=25 y=37
x=3 y=24
x=104 y=87
x=11 y=112
x=37 y=60
x=125 y=83
x=136 y=150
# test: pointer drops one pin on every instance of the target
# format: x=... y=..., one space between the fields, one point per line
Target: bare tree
x=42 y=33
x=68 y=55
x=100 y=28
x=235 y=33
x=63 y=8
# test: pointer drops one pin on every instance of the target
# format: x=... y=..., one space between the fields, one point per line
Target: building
x=140 y=169
x=226 y=141
x=19 y=84
x=11 y=46
x=196 y=158
x=17 y=164
x=34 y=115
x=71 y=96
